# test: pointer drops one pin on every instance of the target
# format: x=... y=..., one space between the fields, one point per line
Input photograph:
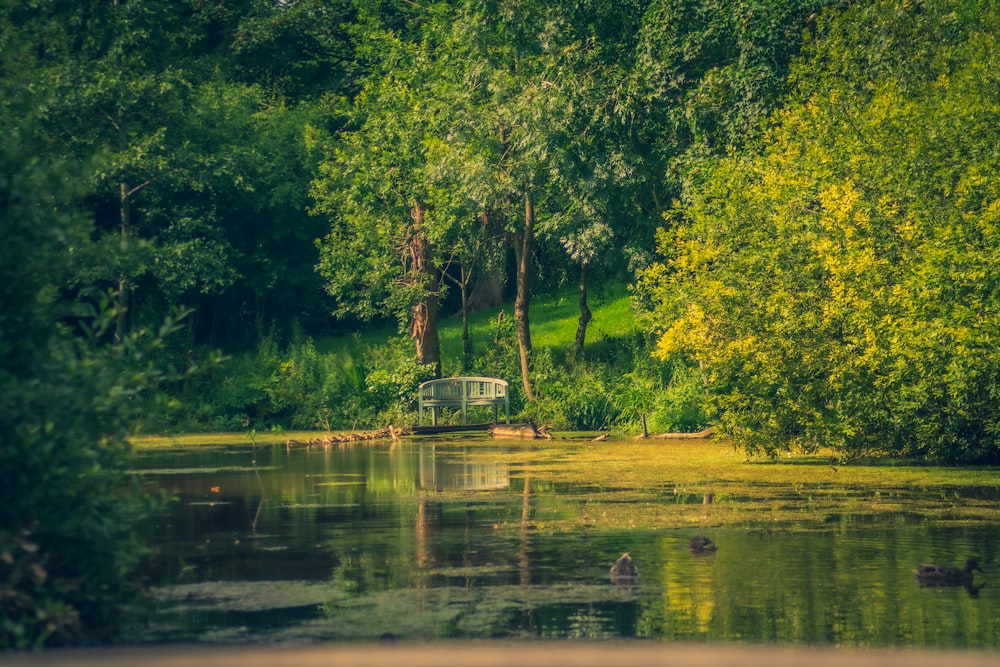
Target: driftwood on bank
x=523 y=431
x=340 y=438
x=444 y=429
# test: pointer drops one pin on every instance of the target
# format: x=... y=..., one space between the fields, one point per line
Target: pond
x=474 y=538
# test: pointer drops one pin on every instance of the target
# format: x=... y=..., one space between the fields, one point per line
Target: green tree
x=375 y=183
x=68 y=505
x=705 y=75
x=838 y=287
x=115 y=79
x=538 y=84
x=295 y=51
x=250 y=225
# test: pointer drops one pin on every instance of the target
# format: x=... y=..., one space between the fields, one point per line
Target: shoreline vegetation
x=524 y=431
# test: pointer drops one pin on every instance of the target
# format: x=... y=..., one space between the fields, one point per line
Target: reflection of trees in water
x=524 y=543
x=422 y=557
x=588 y=623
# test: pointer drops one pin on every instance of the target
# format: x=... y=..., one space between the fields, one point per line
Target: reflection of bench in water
x=436 y=473
x=463 y=392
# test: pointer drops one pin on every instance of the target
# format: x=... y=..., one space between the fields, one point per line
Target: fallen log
x=523 y=431
x=446 y=429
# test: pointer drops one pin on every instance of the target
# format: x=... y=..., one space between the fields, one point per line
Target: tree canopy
x=836 y=284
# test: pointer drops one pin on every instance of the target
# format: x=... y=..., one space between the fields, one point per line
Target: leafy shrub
x=681 y=405
x=300 y=387
x=499 y=356
x=671 y=397
x=68 y=503
x=392 y=383
x=572 y=398
x=299 y=390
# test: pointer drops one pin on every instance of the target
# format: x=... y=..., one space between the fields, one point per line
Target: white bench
x=463 y=392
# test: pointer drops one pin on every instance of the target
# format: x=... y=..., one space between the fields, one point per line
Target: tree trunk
x=585 y=314
x=258 y=316
x=424 y=323
x=124 y=228
x=487 y=291
x=121 y=305
x=462 y=282
x=125 y=194
x=466 y=341
x=522 y=250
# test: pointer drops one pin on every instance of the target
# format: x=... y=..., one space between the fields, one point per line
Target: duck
x=701 y=545
x=946 y=575
x=624 y=568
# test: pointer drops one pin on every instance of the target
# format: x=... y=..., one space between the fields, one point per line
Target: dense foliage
x=67 y=401
x=837 y=286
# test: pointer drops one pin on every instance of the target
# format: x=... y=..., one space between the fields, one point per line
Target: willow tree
x=840 y=287
x=380 y=255
x=535 y=79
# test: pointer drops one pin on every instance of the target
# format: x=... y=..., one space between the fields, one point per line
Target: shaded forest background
x=800 y=197
x=202 y=200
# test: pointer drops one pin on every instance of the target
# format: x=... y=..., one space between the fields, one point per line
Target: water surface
x=429 y=540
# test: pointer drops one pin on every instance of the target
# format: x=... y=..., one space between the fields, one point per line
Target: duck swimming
x=624 y=568
x=701 y=545
x=946 y=575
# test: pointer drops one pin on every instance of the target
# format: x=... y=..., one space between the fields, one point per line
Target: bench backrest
x=459 y=387
x=463 y=392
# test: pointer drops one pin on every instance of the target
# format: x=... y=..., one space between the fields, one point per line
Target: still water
x=431 y=540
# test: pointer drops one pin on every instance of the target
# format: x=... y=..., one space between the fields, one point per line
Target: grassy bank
x=554 y=319
x=369 y=378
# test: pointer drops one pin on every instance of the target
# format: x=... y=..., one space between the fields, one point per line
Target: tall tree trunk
x=424 y=324
x=125 y=194
x=124 y=227
x=487 y=292
x=466 y=341
x=585 y=314
x=522 y=251
x=258 y=315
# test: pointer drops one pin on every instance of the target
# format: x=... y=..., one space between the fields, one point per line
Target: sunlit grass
x=553 y=325
x=554 y=318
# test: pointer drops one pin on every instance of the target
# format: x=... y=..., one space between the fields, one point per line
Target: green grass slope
x=553 y=318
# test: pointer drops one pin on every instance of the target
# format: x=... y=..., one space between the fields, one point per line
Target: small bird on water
x=701 y=545
x=624 y=568
x=946 y=575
